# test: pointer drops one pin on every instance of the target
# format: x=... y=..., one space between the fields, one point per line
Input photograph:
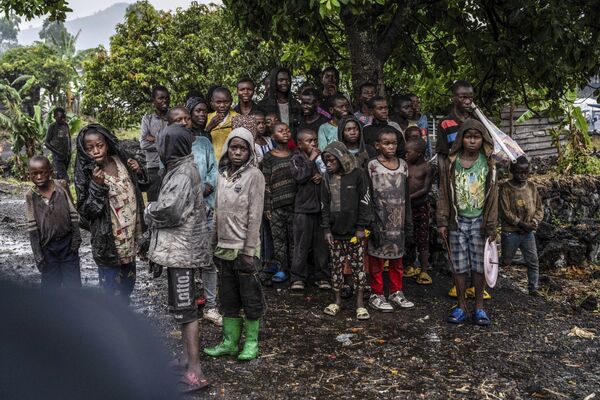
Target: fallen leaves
x=582 y=333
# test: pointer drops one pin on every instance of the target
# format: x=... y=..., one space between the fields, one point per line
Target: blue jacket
x=204 y=155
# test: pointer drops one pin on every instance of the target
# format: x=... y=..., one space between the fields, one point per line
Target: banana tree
x=27 y=131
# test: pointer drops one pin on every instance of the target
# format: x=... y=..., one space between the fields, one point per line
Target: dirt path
x=414 y=354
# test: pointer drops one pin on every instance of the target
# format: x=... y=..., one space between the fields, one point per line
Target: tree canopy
x=506 y=48
x=57 y=9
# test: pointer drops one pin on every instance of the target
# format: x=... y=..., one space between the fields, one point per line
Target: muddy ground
x=414 y=354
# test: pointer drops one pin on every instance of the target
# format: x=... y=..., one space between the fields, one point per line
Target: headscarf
x=175 y=142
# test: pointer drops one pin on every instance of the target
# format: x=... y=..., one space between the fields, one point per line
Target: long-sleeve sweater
x=519 y=204
x=280 y=187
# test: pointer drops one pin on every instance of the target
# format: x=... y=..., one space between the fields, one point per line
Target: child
x=345 y=213
x=53 y=225
x=198 y=108
x=521 y=211
x=350 y=132
x=245 y=92
x=152 y=124
x=403 y=112
x=379 y=108
x=263 y=142
x=462 y=101
x=311 y=118
x=180 y=241
x=328 y=132
x=467 y=212
x=58 y=141
x=308 y=234
x=236 y=239
x=108 y=183
x=419 y=182
x=219 y=121
x=392 y=226
x=366 y=92
x=280 y=189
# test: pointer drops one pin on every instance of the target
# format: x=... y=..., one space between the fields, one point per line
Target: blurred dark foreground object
x=77 y=345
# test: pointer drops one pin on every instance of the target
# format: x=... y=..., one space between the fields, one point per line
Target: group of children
x=282 y=190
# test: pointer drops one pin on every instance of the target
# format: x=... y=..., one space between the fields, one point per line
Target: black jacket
x=345 y=199
x=366 y=152
x=307 y=199
x=92 y=199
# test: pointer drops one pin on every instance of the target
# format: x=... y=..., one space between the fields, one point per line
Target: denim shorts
x=467 y=245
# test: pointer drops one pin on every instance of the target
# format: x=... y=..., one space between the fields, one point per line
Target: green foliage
x=9 y=29
x=27 y=131
x=186 y=50
x=29 y=9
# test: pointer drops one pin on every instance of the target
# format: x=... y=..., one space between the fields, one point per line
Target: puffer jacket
x=447 y=210
x=180 y=236
x=92 y=199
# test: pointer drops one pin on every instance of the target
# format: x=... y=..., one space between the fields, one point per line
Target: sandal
x=470 y=292
x=280 y=277
x=332 y=309
x=424 y=279
x=190 y=382
x=297 y=285
x=457 y=316
x=362 y=313
x=481 y=318
x=411 y=272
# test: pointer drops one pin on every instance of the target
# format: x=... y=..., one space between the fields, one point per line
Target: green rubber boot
x=232 y=329
x=250 y=350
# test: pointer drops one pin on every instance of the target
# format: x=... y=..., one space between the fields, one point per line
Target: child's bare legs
x=461 y=286
x=360 y=301
x=191 y=348
x=424 y=259
x=479 y=282
x=338 y=297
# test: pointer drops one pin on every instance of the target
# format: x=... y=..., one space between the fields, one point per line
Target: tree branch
x=328 y=41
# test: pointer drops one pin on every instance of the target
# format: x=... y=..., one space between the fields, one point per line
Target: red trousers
x=395 y=271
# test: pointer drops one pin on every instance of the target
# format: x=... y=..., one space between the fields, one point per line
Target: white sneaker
x=212 y=315
x=379 y=303
x=401 y=301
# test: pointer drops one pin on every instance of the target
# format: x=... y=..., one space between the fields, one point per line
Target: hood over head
x=273 y=82
x=85 y=164
x=471 y=123
x=340 y=151
x=246 y=135
x=342 y=124
x=174 y=142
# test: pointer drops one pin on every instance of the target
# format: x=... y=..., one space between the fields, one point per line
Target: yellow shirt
x=220 y=132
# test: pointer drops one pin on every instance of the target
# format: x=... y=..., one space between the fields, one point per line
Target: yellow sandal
x=424 y=279
x=411 y=272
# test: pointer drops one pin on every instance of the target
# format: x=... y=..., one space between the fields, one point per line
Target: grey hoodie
x=239 y=201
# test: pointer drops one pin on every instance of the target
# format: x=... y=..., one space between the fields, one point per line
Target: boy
x=307 y=208
x=219 y=121
x=329 y=84
x=366 y=92
x=462 y=101
x=279 y=99
x=467 y=212
x=58 y=141
x=350 y=132
x=403 y=112
x=245 y=92
x=379 y=108
x=345 y=213
x=53 y=225
x=419 y=183
x=263 y=142
x=152 y=124
x=280 y=189
x=198 y=108
x=421 y=122
x=236 y=240
x=328 y=132
x=393 y=222
x=521 y=211
x=311 y=118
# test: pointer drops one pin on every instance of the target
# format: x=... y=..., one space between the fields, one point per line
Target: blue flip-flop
x=280 y=277
x=457 y=316
x=481 y=318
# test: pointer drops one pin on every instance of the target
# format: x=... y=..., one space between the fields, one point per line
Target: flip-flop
x=332 y=309
x=424 y=279
x=470 y=293
x=457 y=316
x=362 y=313
x=189 y=382
x=280 y=277
x=481 y=318
x=411 y=272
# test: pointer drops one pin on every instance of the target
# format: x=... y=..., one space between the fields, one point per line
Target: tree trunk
x=361 y=40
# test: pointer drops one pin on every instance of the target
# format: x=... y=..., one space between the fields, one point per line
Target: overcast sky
x=83 y=8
